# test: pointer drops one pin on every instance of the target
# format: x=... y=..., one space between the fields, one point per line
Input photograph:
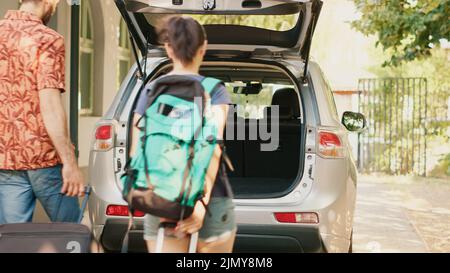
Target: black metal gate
x=396 y=139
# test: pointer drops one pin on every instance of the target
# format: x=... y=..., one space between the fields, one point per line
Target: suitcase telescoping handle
x=160 y=238
x=87 y=193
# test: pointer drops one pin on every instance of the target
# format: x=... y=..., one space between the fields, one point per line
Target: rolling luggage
x=47 y=237
x=160 y=238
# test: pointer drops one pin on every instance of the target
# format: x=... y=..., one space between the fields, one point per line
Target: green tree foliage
x=406 y=29
x=435 y=69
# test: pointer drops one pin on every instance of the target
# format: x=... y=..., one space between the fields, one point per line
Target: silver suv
x=297 y=197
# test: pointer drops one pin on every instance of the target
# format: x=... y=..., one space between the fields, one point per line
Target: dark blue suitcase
x=47 y=237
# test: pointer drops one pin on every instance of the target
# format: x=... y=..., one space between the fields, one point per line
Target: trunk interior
x=260 y=173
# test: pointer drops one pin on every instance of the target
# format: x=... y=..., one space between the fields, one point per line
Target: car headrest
x=283 y=114
x=287 y=100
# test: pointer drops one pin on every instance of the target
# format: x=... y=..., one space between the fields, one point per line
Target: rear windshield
x=252 y=106
x=269 y=22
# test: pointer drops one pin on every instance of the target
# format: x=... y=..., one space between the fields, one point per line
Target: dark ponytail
x=184 y=35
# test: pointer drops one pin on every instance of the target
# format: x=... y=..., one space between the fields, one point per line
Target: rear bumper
x=114 y=231
x=249 y=238
x=278 y=239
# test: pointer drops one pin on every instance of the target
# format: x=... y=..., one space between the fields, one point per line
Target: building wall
x=343 y=53
x=106 y=21
x=7 y=5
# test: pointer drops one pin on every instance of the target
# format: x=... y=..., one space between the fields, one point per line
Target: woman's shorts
x=219 y=224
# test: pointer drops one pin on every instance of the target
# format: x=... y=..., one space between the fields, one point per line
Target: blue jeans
x=20 y=189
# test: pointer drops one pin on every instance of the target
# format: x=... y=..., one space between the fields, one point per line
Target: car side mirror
x=354 y=122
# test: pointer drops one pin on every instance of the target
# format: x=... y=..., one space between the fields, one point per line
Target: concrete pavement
x=381 y=224
x=400 y=215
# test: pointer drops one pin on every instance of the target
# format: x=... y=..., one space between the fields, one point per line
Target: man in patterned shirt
x=37 y=159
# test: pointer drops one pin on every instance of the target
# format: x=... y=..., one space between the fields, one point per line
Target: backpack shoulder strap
x=210 y=85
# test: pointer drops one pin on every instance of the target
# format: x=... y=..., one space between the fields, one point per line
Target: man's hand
x=195 y=222
x=55 y=122
x=73 y=181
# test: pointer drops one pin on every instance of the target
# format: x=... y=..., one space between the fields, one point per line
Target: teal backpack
x=166 y=177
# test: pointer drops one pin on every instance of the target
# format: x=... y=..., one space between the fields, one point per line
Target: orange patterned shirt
x=31 y=59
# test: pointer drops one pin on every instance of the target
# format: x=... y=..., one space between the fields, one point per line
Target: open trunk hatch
x=277 y=25
x=272 y=172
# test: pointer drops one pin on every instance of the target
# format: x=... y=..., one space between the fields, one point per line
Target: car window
x=270 y=22
x=252 y=106
x=329 y=95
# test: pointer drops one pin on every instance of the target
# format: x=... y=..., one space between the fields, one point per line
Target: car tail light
x=297 y=217
x=330 y=145
x=104 y=135
x=119 y=210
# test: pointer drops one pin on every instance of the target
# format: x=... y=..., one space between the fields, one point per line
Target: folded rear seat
x=284 y=161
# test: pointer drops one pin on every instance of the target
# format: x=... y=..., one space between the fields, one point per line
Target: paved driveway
x=402 y=214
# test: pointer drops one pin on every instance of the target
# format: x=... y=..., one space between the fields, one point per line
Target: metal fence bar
x=401 y=126
x=398 y=118
x=370 y=126
x=390 y=128
x=420 y=125
x=360 y=135
x=372 y=114
x=368 y=109
x=426 y=130
x=413 y=123
x=377 y=118
x=374 y=127
x=396 y=126
x=407 y=127
x=384 y=119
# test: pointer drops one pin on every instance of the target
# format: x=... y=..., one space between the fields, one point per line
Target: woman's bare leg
x=224 y=245
x=174 y=245
x=170 y=245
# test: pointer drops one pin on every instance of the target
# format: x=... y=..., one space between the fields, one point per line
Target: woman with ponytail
x=184 y=40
